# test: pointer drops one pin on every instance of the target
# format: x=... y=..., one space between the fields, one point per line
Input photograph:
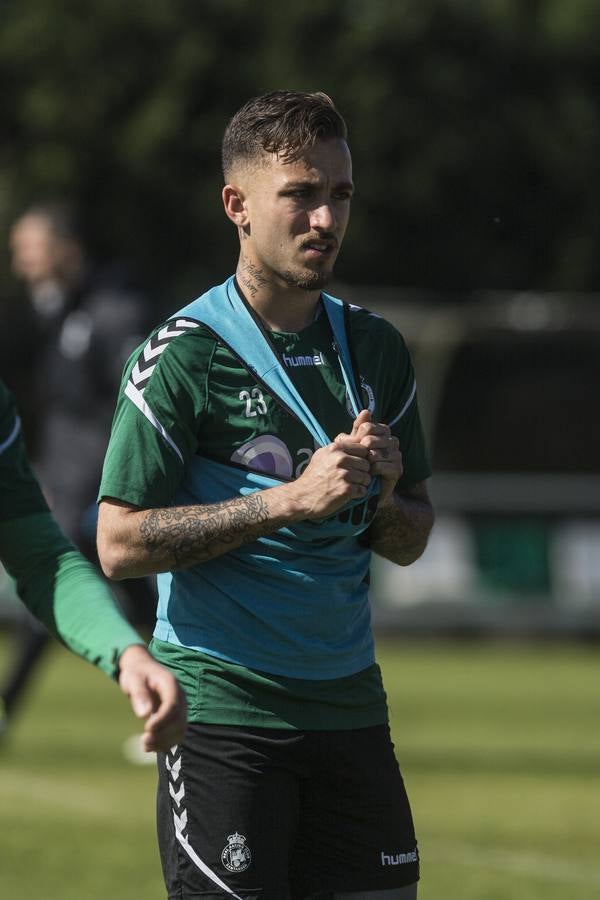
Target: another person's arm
x=66 y=593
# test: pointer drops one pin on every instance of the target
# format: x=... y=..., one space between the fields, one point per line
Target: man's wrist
x=132 y=653
x=287 y=505
x=388 y=501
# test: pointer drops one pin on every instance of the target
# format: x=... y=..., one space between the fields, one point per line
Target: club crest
x=236 y=856
x=367 y=396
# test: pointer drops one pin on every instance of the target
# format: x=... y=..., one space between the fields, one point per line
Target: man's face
x=298 y=213
x=34 y=250
x=40 y=255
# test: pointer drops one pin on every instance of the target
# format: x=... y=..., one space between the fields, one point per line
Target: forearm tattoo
x=186 y=535
x=400 y=529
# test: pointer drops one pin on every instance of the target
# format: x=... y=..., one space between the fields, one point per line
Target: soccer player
x=266 y=441
x=68 y=595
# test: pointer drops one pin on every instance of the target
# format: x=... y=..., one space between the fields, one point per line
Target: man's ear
x=235 y=205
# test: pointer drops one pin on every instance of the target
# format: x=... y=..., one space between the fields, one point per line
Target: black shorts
x=253 y=813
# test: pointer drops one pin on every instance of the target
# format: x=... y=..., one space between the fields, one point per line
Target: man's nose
x=322 y=218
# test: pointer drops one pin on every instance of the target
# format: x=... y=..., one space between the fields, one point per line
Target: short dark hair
x=284 y=122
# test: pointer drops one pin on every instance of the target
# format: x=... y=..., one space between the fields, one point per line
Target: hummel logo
x=398 y=859
x=317 y=360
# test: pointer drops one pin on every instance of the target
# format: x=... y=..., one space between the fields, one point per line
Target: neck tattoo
x=252 y=277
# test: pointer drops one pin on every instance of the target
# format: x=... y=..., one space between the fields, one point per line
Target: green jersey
x=293 y=606
x=53 y=579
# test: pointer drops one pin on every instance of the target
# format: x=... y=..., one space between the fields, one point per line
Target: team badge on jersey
x=236 y=855
x=367 y=396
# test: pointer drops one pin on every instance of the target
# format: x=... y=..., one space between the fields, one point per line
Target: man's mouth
x=317 y=249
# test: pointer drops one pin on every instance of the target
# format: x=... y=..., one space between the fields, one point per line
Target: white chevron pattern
x=174 y=767
x=149 y=356
x=180 y=819
x=177 y=795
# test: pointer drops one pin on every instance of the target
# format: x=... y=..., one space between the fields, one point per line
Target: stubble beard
x=306 y=281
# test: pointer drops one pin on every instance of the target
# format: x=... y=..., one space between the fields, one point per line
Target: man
x=222 y=475
x=82 y=322
x=62 y=589
x=87 y=319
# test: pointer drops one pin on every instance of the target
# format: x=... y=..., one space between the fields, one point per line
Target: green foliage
x=498 y=744
x=474 y=129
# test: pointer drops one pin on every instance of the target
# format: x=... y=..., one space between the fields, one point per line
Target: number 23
x=255 y=402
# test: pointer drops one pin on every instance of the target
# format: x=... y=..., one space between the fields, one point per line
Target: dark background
x=474 y=128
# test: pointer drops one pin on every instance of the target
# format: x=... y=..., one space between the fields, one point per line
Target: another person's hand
x=155 y=696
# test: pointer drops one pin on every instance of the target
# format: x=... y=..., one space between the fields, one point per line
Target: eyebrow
x=309 y=183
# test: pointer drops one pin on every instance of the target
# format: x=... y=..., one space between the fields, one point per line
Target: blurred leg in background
x=31 y=639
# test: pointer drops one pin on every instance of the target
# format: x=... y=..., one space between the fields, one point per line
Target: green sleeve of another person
x=55 y=582
x=64 y=591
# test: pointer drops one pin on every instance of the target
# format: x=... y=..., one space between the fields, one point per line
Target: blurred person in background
x=88 y=320
x=60 y=587
x=80 y=322
x=267 y=439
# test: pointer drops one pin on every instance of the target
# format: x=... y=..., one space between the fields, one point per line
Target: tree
x=474 y=129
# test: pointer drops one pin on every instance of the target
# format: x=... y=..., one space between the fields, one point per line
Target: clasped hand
x=384 y=456
x=343 y=470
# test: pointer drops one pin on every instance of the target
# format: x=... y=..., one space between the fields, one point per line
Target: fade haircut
x=287 y=123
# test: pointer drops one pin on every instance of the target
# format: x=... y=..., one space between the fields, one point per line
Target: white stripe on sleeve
x=136 y=397
x=406 y=405
x=12 y=436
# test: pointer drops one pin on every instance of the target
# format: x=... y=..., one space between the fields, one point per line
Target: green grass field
x=499 y=744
